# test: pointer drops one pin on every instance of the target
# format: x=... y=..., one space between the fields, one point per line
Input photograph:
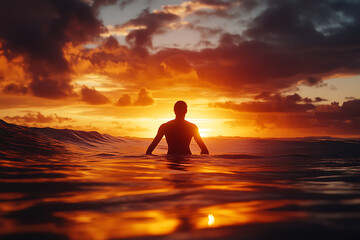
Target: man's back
x=178 y=135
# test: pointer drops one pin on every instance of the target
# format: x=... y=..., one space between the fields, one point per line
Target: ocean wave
x=44 y=141
x=20 y=139
x=68 y=135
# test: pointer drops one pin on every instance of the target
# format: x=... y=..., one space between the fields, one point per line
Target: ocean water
x=66 y=184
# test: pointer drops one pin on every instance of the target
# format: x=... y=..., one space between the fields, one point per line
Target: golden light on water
x=211 y=219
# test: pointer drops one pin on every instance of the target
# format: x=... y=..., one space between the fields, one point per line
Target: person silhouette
x=178 y=133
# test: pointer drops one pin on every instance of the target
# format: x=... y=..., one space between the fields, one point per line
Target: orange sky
x=244 y=68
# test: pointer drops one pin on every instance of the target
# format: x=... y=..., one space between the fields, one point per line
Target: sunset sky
x=249 y=68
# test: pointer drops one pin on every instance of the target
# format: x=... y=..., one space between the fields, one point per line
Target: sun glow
x=204 y=132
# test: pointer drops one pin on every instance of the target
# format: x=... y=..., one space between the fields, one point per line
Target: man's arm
x=156 y=140
x=200 y=142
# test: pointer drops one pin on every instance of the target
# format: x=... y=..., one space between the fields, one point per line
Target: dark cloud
x=38 y=31
x=91 y=96
x=109 y=52
x=125 y=3
x=321 y=32
x=350 y=98
x=144 y=98
x=36 y=118
x=348 y=111
x=317 y=99
x=269 y=103
x=314 y=81
x=228 y=39
x=326 y=119
x=16 y=89
x=205 y=44
x=111 y=44
x=287 y=42
x=98 y=3
x=150 y=23
x=205 y=32
x=54 y=86
x=178 y=63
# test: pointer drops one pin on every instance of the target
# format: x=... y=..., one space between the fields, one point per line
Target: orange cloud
x=124 y=100
x=36 y=118
x=14 y=88
x=91 y=96
x=270 y=103
x=178 y=63
x=330 y=119
x=143 y=99
x=42 y=46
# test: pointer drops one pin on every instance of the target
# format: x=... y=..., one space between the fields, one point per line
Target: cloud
x=125 y=3
x=313 y=81
x=284 y=44
x=201 y=8
x=91 y=96
x=349 y=110
x=148 y=24
x=38 y=117
x=124 y=100
x=144 y=98
x=178 y=63
x=205 y=32
x=53 y=86
x=98 y=3
x=287 y=42
x=325 y=119
x=269 y=103
x=16 y=89
x=317 y=99
x=269 y=54
x=111 y=44
x=38 y=31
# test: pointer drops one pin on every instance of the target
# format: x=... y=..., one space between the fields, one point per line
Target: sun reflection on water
x=211 y=219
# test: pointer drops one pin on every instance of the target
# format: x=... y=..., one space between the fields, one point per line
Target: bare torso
x=178 y=135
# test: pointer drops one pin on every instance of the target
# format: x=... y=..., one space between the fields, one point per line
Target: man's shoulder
x=190 y=124
x=167 y=124
x=174 y=122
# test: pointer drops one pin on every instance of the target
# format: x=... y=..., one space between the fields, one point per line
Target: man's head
x=180 y=108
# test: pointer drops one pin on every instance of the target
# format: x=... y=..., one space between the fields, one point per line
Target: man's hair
x=180 y=107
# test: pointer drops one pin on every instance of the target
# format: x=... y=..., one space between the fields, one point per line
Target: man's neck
x=180 y=118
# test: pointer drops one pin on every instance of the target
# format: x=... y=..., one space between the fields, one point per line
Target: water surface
x=64 y=184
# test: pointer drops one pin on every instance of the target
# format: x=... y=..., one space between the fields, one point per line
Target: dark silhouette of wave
x=44 y=141
x=68 y=135
x=22 y=139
